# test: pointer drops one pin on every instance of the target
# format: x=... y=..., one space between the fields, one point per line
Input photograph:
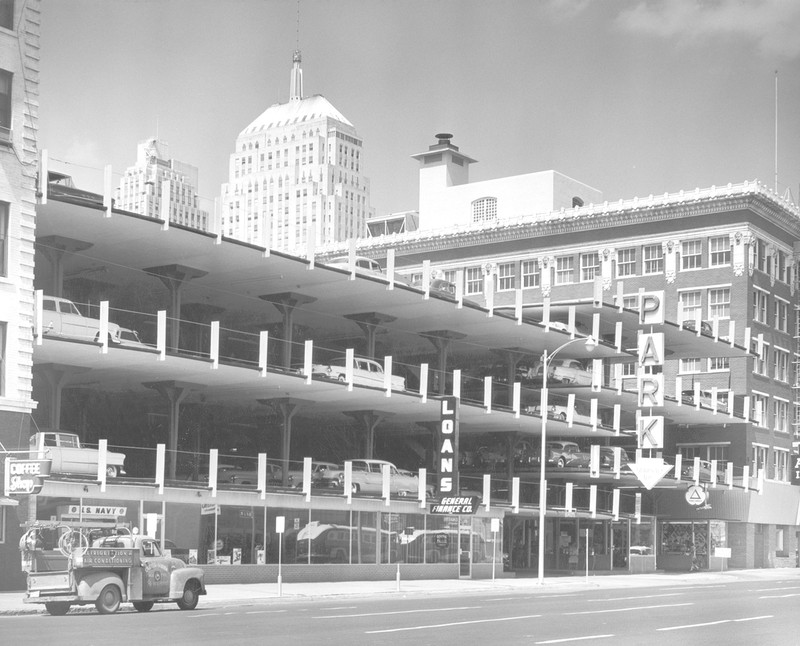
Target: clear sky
x=632 y=97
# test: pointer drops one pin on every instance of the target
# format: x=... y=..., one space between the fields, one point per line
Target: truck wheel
x=108 y=601
x=143 y=606
x=191 y=596
x=57 y=608
x=111 y=471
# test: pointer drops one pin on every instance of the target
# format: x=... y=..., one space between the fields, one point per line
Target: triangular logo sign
x=650 y=470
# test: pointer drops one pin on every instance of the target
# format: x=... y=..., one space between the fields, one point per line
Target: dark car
x=705 y=327
x=566 y=454
x=607 y=458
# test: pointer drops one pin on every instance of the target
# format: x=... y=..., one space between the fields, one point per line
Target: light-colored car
x=318 y=471
x=366 y=372
x=368 y=478
x=62 y=318
x=560 y=411
x=364 y=266
x=68 y=455
x=570 y=371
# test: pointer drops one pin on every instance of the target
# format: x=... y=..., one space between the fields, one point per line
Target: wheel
x=403 y=493
x=561 y=463
x=111 y=471
x=57 y=608
x=108 y=601
x=341 y=378
x=562 y=417
x=143 y=606
x=191 y=596
x=355 y=488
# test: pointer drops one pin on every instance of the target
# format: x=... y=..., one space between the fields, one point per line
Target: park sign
x=448 y=446
x=25 y=477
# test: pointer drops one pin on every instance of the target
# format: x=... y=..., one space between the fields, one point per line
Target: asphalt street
x=705 y=610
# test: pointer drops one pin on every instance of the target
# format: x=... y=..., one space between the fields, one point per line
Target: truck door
x=155 y=578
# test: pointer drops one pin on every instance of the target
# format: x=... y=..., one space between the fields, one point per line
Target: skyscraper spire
x=296 y=85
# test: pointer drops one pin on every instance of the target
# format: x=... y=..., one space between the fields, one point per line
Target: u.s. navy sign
x=448 y=446
x=25 y=476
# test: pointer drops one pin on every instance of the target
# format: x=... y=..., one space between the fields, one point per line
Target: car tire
x=57 y=608
x=355 y=488
x=561 y=462
x=562 y=417
x=403 y=493
x=143 y=606
x=190 y=597
x=111 y=471
x=108 y=601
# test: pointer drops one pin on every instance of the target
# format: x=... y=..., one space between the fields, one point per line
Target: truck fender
x=91 y=584
x=179 y=578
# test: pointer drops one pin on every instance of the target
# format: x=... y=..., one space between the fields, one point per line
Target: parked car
x=706 y=400
x=368 y=478
x=366 y=372
x=705 y=327
x=318 y=471
x=566 y=454
x=559 y=412
x=68 y=455
x=243 y=475
x=607 y=458
x=363 y=266
x=705 y=472
x=62 y=318
x=570 y=371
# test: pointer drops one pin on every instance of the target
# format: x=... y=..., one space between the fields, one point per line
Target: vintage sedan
x=366 y=372
x=566 y=454
x=368 y=478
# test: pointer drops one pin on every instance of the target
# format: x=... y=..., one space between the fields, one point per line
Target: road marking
x=715 y=623
x=447 y=625
x=574 y=639
x=261 y=612
x=779 y=596
x=646 y=596
x=790 y=587
x=595 y=612
x=343 y=608
x=395 y=612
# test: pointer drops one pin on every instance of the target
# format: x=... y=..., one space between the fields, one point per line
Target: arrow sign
x=650 y=470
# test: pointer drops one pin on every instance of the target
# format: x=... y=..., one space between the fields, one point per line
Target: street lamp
x=590 y=344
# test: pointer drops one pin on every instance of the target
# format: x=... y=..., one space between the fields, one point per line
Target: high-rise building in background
x=297 y=168
x=144 y=186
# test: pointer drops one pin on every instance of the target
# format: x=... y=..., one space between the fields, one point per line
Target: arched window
x=484 y=209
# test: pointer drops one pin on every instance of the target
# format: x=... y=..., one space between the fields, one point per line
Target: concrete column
x=174 y=277
x=286 y=303
x=369 y=420
x=370 y=323
x=55 y=374
x=287 y=407
x=55 y=248
x=175 y=392
x=441 y=340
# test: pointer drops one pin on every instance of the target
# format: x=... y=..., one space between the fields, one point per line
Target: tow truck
x=103 y=567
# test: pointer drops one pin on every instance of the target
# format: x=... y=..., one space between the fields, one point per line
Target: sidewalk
x=11 y=602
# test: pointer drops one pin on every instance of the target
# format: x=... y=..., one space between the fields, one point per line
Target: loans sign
x=24 y=477
x=448 y=446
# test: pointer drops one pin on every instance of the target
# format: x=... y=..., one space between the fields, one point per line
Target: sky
x=632 y=97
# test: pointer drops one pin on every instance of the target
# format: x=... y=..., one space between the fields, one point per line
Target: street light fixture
x=590 y=344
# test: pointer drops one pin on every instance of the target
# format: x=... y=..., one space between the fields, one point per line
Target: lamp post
x=590 y=344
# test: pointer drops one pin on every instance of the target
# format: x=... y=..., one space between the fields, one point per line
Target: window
x=719 y=303
x=781 y=315
x=759 y=458
x=780 y=365
x=781 y=268
x=719 y=364
x=474 y=279
x=4 y=208
x=760 y=361
x=590 y=266
x=653 y=259
x=3 y=360
x=484 y=209
x=506 y=276
x=760 y=253
x=719 y=251
x=7 y=14
x=5 y=106
x=691 y=303
x=758 y=409
x=691 y=254
x=531 y=274
x=626 y=262
x=780 y=466
x=689 y=365
x=565 y=270
x=780 y=415
x=759 y=306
